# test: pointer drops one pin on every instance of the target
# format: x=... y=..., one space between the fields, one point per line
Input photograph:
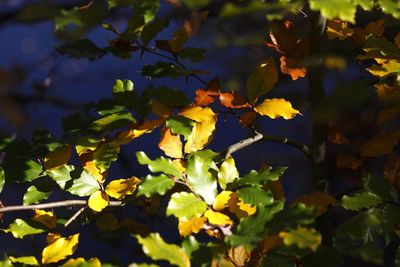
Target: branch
x=75 y=216
x=243 y=143
x=57 y=204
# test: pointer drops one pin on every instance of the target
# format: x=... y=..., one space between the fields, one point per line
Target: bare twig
x=243 y=143
x=75 y=216
x=65 y=203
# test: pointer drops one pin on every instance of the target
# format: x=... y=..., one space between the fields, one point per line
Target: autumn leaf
x=227 y=172
x=317 y=199
x=292 y=67
x=205 y=97
x=375 y=28
x=98 y=201
x=170 y=143
x=136 y=130
x=120 y=188
x=239 y=255
x=217 y=218
x=346 y=161
x=160 y=109
x=222 y=200
x=46 y=218
x=262 y=79
x=380 y=145
x=247 y=118
x=91 y=167
x=387 y=93
x=283 y=36
x=276 y=107
x=385 y=68
x=302 y=237
x=57 y=158
x=336 y=136
x=337 y=29
x=233 y=100
x=198 y=114
x=60 y=249
x=240 y=208
x=194 y=225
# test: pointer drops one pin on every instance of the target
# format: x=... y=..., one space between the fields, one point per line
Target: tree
x=211 y=212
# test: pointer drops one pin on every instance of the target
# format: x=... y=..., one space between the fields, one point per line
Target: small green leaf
x=67 y=17
x=200 y=179
x=156 y=248
x=155 y=185
x=22 y=169
x=390 y=7
x=146 y=8
x=61 y=175
x=33 y=195
x=262 y=79
x=81 y=49
x=360 y=200
x=113 y=121
x=2 y=179
x=302 y=237
x=123 y=91
x=256 y=178
x=152 y=29
x=19 y=228
x=185 y=205
x=84 y=186
x=108 y=106
x=180 y=125
x=255 y=196
x=160 y=164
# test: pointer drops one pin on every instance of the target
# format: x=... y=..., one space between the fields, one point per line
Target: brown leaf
x=233 y=100
x=239 y=255
x=391 y=170
x=57 y=158
x=204 y=97
x=247 y=118
x=376 y=28
x=317 y=199
x=380 y=145
x=336 y=136
x=337 y=29
x=387 y=93
x=292 y=67
x=346 y=161
x=388 y=114
x=283 y=36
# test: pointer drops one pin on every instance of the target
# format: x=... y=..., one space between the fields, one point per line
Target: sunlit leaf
x=170 y=143
x=390 y=7
x=239 y=255
x=28 y=260
x=113 y=121
x=135 y=131
x=19 y=228
x=98 y=201
x=120 y=188
x=262 y=79
x=275 y=108
x=240 y=208
x=194 y=225
x=46 y=218
x=60 y=249
x=180 y=125
x=34 y=195
x=61 y=175
x=81 y=262
x=341 y=9
x=200 y=179
x=201 y=135
x=185 y=205
x=156 y=248
x=302 y=237
x=292 y=67
x=160 y=164
x=57 y=158
x=233 y=100
x=385 y=68
x=153 y=185
x=254 y=195
x=217 y=218
x=222 y=200
x=227 y=172
x=84 y=186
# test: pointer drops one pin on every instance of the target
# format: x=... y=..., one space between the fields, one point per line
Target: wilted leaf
x=380 y=145
x=60 y=249
x=194 y=225
x=46 y=218
x=98 y=201
x=292 y=67
x=262 y=79
x=227 y=172
x=217 y=218
x=276 y=107
x=170 y=143
x=302 y=237
x=156 y=248
x=239 y=255
x=120 y=188
x=155 y=185
x=185 y=205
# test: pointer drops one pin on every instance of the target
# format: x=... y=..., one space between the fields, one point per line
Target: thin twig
x=75 y=216
x=65 y=203
x=242 y=144
x=284 y=140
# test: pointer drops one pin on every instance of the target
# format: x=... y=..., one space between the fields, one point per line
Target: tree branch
x=57 y=204
x=75 y=216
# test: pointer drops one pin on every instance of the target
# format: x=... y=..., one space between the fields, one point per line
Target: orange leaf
x=136 y=130
x=380 y=145
x=346 y=161
x=194 y=225
x=318 y=199
x=247 y=118
x=204 y=97
x=292 y=67
x=57 y=158
x=91 y=167
x=387 y=93
x=233 y=100
x=376 y=28
x=170 y=143
x=336 y=136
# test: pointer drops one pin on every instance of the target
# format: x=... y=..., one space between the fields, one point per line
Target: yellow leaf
x=93 y=262
x=380 y=145
x=241 y=209
x=178 y=165
x=87 y=144
x=135 y=131
x=160 y=109
x=91 y=167
x=198 y=113
x=194 y=225
x=46 y=218
x=170 y=143
x=27 y=260
x=221 y=200
x=98 y=201
x=227 y=172
x=120 y=188
x=201 y=135
x=386 y=67
x=57 y=158
x=318 y=199
x=51 y=237
x=60 y=249
x=217 y=218
x=239 y=255
x=275 y=108
x=338 y=29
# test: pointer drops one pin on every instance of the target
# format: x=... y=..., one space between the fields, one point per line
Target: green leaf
x=342 y=9
x=19 y=228
x=155 y=185
x=180 y=125
x=123 y=91
x=81 y=49
x=6 y=262
x=28 y=260
x=390 y=7
x=171 y=97
x=380 y=186
x=104 y=155
x=255 y=196
x=194 y=4
x=156 y=248
x=22 y=169
x=164 y=69
x=160 y=164
x=360 y=200
x=200 y=179
x=262 y=79
x=277 y=260
x=302 y=237
x=371 y=253
x=256 y=178
x=61 y=175
x=113 y=121
x=185 y=205
x=146 y=8
x=85 y=185
x=290 y=218
x=108 y=106
x=192 y=53
x=33 y=195
x=365 y=4
x=230 y=9
x=2 y=179
x=151 y=30
x=67 y=17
